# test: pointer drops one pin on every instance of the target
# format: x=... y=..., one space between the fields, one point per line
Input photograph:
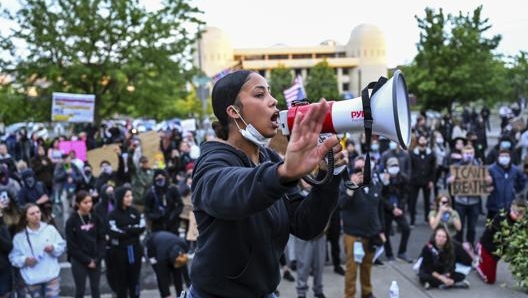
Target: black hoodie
x=31 y=190
x=6 y=245
x=126 y=224
x=85 y=237
x=245 y=216
x=163 y=204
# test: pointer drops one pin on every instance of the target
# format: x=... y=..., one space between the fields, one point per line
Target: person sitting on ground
x=444 y=215
x=437 y=269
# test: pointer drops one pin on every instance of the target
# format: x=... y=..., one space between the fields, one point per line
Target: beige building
x=358 y=62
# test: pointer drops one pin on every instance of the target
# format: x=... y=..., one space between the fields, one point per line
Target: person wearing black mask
x=88 y=183
x=106 y=205
x=126 y=226
x=163 y=204
x=34 y=191
x=423 y=170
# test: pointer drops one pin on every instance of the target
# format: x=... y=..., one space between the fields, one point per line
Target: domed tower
x=367 y=43
x=214 y=52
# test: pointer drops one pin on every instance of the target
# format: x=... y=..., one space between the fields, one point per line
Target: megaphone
x=389 y=105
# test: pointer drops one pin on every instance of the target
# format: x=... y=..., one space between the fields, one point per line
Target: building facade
x=358 y=62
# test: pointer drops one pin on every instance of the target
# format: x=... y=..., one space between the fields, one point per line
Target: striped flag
x=295 y=92
x=221 y=74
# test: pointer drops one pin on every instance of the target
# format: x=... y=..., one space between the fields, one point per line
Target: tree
x=518 y=76
x=281 y=78
x=456 y=66
x=322 y=82
x=135 y=61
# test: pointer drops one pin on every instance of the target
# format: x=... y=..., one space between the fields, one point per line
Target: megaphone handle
x=329 y=172
x=368 y=121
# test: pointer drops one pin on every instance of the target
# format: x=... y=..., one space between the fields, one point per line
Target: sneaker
x=427 y=285
x=339 y=270
x=391 y=259
x=378 y=262
x=464 y=284
x=320 y=295
x=404 y=258
x=288 y=276
x=293 y=265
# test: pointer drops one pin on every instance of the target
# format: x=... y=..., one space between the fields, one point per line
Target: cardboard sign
x=470 y=180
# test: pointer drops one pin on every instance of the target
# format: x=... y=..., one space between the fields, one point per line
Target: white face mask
x=504 y=160
x=393 y=146
x=252 y=134
x=393 y=170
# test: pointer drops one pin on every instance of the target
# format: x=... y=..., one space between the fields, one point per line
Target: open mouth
x=275 y=119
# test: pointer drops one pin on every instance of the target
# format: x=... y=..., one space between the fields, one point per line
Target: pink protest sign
x=78 y=146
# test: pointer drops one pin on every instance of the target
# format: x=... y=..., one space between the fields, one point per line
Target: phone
x=4 y=199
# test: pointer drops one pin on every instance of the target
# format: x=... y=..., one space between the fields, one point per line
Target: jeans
x=80 y=272
x=48 y=289
x=468 y=217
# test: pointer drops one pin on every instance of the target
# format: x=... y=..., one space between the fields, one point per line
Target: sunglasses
x=357 y=170
x=443 y=202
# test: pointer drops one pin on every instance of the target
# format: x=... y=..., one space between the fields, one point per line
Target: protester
x=6 y=274
x=126 y=225
x=167 y=253
x=66 y=180
x=163 y=204
x=34 y=191
x=36 y=250
x=395 y=190
x=467 y=206
x=310 y=257
x=437 y=268
x=444 y=215
x=104 y=207
x=362 y=214
x=141 y=182
x=489 y=243
x=244 y=196
x=43 y=168
x=85 y=238
x=507 y=179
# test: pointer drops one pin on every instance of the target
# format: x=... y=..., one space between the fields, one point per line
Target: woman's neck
x=34 y=226
x=250 y=149
x=82 y=212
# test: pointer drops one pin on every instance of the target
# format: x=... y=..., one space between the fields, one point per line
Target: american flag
x=221 y=74
x=295 y=92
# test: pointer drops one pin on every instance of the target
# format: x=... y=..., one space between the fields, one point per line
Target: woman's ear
x=233 y=112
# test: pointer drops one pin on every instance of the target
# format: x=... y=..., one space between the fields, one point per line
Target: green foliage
x=281 y=78
x=515 y=249
x=322 y=82
x=135 y=61
x=518 y=76
x=455 y=61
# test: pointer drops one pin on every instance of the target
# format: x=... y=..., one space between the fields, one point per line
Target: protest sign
x=470 y=180
x=72 y=107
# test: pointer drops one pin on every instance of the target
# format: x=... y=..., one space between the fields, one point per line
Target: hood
x=4 y=177
x=119 y=195
x=43 y=226
x=28 y=176
x=104 y=196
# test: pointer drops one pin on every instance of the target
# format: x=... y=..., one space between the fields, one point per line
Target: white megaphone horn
x=391 y=116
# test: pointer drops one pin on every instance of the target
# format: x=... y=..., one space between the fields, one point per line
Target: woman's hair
x=225 y=93
x=448 y=247
x=439 y=198
x=79 y=197
x=22 y=224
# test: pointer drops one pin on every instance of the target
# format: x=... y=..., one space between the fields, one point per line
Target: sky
x=306 y=23
x=265 y=23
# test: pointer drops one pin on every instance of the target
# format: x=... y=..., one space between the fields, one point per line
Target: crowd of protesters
x=53 y=203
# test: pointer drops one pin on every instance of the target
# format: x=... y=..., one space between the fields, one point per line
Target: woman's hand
x=303 y=152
